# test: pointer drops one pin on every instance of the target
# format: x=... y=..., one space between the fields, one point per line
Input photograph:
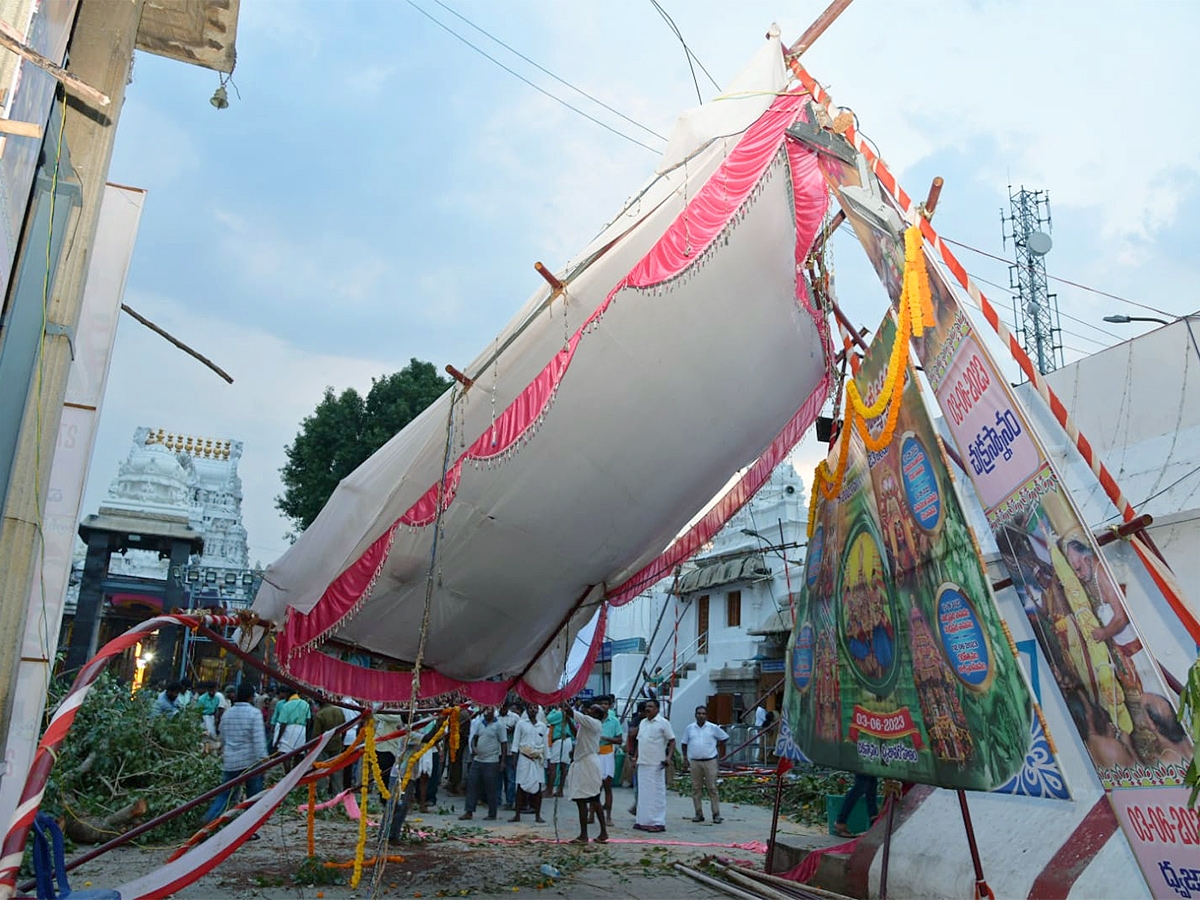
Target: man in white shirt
x=703 y=745
x=760 y=722
x=510 y=715
x=655 y=750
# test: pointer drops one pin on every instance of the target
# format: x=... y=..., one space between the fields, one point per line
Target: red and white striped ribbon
x=1169 y=586
x=60 y=723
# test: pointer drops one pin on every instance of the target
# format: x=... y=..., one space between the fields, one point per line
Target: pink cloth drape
x=336 y=677
x=694 y=231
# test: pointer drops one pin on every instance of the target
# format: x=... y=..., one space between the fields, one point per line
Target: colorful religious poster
x=1125 y=714
x=899 y=663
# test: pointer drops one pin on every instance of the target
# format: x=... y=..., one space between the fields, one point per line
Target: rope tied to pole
x=397 y=796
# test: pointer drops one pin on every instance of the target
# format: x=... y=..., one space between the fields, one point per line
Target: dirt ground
x=448 y=858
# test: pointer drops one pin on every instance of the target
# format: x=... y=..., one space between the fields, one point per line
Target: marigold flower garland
x=915 y=314
x=417 y=754
x=453 y=714
x=370 y=770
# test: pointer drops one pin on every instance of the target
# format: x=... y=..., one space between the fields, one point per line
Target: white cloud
x=366 y=82
x=275 y=386
x=1082 y=99
x=320 y=268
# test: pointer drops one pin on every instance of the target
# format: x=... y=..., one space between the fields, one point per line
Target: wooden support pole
x=848 y=325
x=1103 y=538
x=981 y=885
x=817 y=28
x=931 y=201
x=550 y=277
x=20 y=129
x=774 y=820
x=459 y=376
x=101 y=52
x=887 y=845
x=167 y=336
x=13 y=41
x=722 y=886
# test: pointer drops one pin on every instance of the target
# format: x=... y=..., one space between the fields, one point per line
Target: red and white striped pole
x=56 y=731
x=1175 y=598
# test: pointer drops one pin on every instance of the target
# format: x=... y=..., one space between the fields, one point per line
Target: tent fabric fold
x=597 y=425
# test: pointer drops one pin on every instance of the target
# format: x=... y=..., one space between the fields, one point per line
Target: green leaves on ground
x=804 y=791
x=116 y=752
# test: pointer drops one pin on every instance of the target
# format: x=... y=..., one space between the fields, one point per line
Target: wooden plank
x=13 y=41
x=20 y=129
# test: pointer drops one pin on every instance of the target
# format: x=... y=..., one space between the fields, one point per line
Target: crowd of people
x=511 y=757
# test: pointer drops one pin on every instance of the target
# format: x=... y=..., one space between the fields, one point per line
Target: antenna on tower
x=1035 y=309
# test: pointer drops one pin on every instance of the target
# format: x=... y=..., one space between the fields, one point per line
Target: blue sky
x=380 y=190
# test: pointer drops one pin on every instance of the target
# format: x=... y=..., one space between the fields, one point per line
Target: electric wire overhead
x=1074 y=284
x=536 y=87
x=687 y=51
x=1064 y=315
x=543 y=69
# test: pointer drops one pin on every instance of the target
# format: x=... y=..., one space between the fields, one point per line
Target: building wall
x=781 y=500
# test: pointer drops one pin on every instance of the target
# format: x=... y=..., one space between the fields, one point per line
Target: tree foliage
x=116 y=751
x=347 y=428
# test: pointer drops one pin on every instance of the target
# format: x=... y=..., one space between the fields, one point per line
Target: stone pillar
x=85 y=631
x=166 y=663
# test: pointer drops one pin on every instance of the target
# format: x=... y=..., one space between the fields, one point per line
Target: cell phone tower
x=1035 y=309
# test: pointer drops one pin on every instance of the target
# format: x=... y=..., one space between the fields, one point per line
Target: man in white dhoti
x=655 y=751
x=584 y=778
x=529 y=737
x=291 y=720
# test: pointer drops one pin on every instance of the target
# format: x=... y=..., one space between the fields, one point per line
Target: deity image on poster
x=868 y=621
x=1117 y=697
x=900 y=666
x=1095 y=655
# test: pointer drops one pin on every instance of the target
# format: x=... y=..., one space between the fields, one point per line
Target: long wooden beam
x=817 y=28
x=10 y=39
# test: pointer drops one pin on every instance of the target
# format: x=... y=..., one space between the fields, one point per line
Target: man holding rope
x=584 y=778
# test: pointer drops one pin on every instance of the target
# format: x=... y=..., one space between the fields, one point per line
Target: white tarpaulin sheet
x=600 y=421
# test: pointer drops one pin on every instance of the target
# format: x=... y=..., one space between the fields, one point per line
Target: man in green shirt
x=290 y=721
x=328 y=717
x=211 y=704
x=559 y=757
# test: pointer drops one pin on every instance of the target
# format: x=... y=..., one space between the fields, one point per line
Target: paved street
x=480 y=859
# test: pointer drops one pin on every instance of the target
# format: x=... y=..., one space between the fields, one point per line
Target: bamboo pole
x=817 y=28
x=10 y=39
x=716 y=883
x=178 y=343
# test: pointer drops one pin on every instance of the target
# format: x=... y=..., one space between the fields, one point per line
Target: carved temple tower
x=168 y=534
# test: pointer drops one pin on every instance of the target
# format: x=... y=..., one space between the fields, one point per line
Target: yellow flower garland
x=916 y=313
x=453 y=715
x=412 y=760
x=371 y=761
x=360 y=849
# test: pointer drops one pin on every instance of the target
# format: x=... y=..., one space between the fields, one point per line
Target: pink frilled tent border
x=683 y=244
x=810 y=211
x=337 y=677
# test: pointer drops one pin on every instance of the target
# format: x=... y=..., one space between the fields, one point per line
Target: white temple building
x=168 y=534
x=726 y=622
x=175 y=474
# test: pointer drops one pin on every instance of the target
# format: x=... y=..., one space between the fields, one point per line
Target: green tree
x=347 y=428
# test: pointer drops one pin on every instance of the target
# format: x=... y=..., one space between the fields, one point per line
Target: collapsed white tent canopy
x=683 y=348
